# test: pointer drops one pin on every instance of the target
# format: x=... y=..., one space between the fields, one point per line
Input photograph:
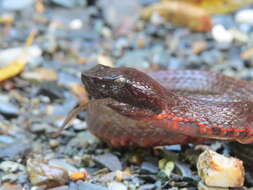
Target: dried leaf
x=180 y=13
x=11 y=70
x=217 y=6
x=16 y=58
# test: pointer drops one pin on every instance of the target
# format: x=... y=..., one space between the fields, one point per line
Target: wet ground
x=70 y=37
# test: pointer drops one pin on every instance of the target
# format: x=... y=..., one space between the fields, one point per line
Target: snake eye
x=120 y=80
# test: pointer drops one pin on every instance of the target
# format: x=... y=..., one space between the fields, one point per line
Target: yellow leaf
x=180 y=13
x=11 y=70
x=217 y=6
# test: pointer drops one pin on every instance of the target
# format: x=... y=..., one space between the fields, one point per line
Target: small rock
x=70 y=3
x=14 y=5
x=148 y=167
x=8 y=109
x=11 y=54
x=199 y=46
x=60 y=188
x=14 y=150
x=116 y=186
x=166 y=166
x=131 y=58
x=64 y=165
x=40 y=74
x=80 y=126
x=66 y=79
x=6 y=139
x=10 y=187
x=40 y=173
x=83 y=139
x=51 y=90
x=244 y=16
x=147 y=187
x=219 y=171
x=90 y=186
x=79 y=91
x=75 y=24
x=53 y=143
x=202 y=186
x=109 y=161
x=41 y=127
x=220 y=34
x=104 y=60
x=247 y=54
x=120 y=15
x=9 y=166
x=10 y=178
x=6 y=18
x=80 y=175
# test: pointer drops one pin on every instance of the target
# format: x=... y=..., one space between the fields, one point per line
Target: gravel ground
x=72 y=36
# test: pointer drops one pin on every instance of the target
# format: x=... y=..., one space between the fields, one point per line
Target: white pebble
x=76 y=24
x=117 y=186
x=220 y=34
x=244 y=16
x=217 y=170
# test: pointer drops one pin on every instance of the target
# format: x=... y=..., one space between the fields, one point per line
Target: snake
x=129 y=107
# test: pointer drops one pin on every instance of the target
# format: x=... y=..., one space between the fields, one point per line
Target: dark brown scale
x=173 y=107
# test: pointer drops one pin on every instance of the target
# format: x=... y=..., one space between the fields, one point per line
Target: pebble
x=54 y=143
x=120 y=15
x=64 y=165
x=60 y=188
x=109 y=161
x=202 y=186
x=6 y=139
x=8 y=109
x=75 y=24
x=116 y=186
x=147 y=187
x=217 y=170
x=15 y=150
x=51 y=90
x=83 y=139
x=148 y=167
x=131 y=58
x=10 y=187
x=40 y=74
x=14 y=5
x=244 y=16
x=41 y=128
x=10 y=166
x=9 y=55
x=70 y=3
x=40 y=173
x=104 y=60
x=220 y=34
x=80 y=126
x=90 y=186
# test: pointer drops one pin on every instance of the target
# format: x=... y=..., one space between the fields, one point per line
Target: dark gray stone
x=90 y=186
x=109 y=161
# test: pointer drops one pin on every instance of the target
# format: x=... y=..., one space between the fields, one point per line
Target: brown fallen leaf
x=180 y=13
x=217 y=6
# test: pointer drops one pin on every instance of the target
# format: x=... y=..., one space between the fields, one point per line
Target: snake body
x=130 y=107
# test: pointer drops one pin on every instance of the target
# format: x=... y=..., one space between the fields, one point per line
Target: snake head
x=126 y=85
